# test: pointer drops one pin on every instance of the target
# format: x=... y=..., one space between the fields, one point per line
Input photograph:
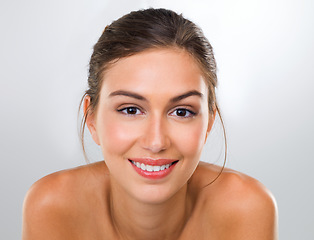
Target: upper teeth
x=150 y=168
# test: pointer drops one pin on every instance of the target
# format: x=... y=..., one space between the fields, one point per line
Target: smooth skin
x=152 y=105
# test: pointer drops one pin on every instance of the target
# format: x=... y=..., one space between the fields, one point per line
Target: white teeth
x=156 y=168
x=143 y=166
x=150 y=168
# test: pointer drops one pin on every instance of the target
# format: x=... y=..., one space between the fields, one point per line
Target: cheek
x=191 y=139
x=115 y=137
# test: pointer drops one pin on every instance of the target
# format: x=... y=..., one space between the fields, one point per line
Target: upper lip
x=153 y=162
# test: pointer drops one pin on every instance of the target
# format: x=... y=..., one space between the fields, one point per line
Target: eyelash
x=187 y=111
x=126 y=110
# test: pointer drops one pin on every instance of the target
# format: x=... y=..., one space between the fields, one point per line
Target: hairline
x=105 y=68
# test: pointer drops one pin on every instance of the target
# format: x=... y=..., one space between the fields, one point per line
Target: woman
x=150 y=107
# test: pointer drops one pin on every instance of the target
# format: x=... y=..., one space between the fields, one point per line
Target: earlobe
x=90 y=119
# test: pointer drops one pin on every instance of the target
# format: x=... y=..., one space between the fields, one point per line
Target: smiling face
x=151 y=122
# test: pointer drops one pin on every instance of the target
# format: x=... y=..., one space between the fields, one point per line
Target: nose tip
x=155 y=138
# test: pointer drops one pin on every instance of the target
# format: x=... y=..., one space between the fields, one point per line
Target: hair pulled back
x=147 y=29
x=143 y=30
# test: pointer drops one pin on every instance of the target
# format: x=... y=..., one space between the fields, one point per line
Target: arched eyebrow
x=128 y=94
x=185 y=95
x=140 y=97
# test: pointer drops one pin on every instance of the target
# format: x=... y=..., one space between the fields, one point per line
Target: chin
x=156 y=194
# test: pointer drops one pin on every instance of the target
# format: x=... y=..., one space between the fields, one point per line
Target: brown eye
x=183 y=113
x=130 y=111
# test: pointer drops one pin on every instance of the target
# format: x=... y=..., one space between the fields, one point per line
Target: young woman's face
x=151 y=122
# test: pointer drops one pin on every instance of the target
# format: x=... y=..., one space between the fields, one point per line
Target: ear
x=211 y=120
x=90 y=119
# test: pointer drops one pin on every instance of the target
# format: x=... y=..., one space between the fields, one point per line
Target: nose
x=155 y=136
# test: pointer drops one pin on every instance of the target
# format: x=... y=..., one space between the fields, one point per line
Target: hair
x=143 y=30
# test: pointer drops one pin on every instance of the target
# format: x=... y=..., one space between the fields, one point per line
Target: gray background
x=264 y=51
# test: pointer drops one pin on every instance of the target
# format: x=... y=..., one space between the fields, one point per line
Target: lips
x=153 y=168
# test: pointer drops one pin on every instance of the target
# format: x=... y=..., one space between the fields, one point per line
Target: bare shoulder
x=243 y=205
x=58 y=203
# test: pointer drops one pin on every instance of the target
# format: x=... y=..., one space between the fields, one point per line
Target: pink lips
x=154 y=162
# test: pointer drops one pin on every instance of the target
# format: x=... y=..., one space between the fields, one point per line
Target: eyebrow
x=185 y=95
x=139 y=97
x=128 y=94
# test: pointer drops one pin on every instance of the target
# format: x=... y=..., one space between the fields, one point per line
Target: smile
x=153 y=169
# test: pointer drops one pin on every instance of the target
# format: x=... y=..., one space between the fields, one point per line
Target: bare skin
x=69 y=205
x=153 y=105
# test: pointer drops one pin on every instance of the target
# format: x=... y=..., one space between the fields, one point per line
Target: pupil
x=181 y=112
x=131 y=110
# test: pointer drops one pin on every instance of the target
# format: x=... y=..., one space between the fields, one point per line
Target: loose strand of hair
x=225 y=146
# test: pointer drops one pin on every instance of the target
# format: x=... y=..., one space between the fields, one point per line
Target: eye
x=183 y=113
x=130 y=111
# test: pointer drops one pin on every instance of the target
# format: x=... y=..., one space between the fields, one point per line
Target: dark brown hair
x=139 y=31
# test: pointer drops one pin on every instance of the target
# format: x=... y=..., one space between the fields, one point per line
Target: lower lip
x=154 y=175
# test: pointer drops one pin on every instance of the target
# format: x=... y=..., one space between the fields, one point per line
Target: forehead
x=158 y=70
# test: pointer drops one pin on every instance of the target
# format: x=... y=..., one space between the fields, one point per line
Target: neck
x=133 y=219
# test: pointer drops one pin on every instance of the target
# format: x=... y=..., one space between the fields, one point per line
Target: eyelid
x=186 y=108
x=124 y=107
